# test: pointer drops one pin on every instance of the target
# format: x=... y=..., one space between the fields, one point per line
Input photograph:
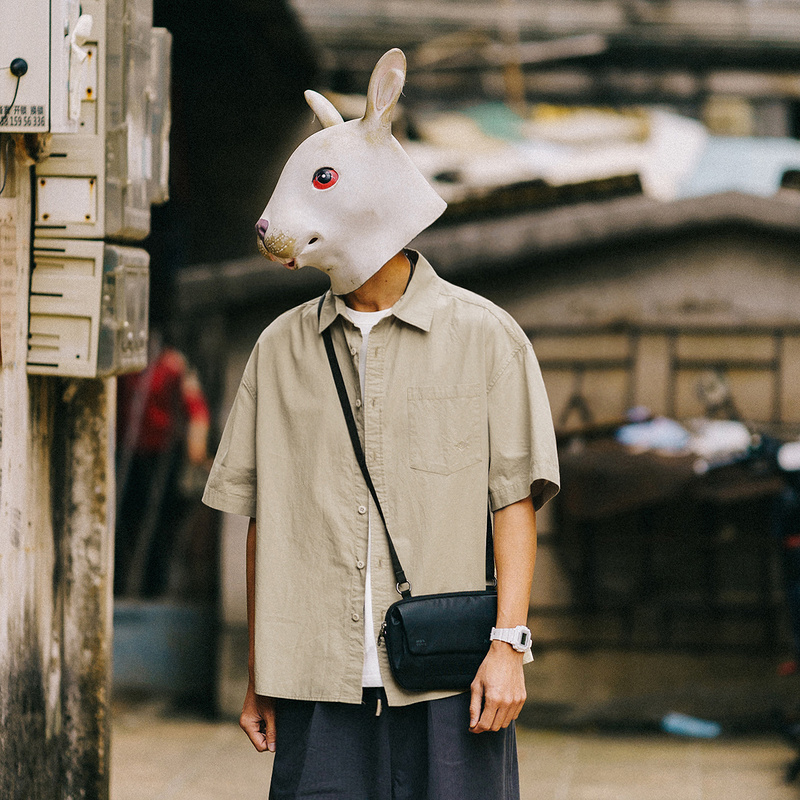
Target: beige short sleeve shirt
x=454 y=408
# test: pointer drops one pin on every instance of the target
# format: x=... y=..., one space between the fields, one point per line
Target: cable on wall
x=18 y=67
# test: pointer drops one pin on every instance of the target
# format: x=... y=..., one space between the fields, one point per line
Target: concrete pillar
x=56 y=552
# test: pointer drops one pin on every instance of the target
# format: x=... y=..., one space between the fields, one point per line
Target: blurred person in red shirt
x=162 y=437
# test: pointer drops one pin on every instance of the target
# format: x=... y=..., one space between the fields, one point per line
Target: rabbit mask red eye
x=324 y=178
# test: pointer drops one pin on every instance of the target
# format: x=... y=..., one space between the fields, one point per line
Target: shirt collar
x=415 y=307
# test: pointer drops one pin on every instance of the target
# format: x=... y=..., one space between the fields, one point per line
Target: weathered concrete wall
x=28 y=703
x=56 y=470
x=82 y=492
x=733 y=276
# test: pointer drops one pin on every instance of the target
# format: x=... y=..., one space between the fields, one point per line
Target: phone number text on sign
x=23 y=117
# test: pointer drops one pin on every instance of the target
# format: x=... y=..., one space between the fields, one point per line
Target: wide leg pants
x=340 y=751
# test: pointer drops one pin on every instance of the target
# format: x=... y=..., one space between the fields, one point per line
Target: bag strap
x=403 y=585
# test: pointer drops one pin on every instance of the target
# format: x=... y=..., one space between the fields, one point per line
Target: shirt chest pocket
x=444 y=426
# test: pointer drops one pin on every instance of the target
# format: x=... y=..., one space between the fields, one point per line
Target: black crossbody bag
x=434 y=641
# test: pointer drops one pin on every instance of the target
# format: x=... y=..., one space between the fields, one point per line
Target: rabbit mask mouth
x=290 y=264
x=271 y=246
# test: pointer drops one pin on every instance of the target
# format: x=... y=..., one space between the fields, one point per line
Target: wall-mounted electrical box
x=70 y=192
x=124 y=306
x=88 y=309
x=129 y=144
x=57 y=40
x=102 y=175
x=76 y=28
x=25 y=34
x=106 y=101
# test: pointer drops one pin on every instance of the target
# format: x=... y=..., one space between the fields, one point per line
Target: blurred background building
x=624 y=177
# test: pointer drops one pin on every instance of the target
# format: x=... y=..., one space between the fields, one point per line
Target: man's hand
x=498 y=691
x=258 y=720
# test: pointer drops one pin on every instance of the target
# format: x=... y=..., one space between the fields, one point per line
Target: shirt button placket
x=360 y=564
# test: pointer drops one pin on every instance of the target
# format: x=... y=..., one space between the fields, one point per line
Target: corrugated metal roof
x=330 y=20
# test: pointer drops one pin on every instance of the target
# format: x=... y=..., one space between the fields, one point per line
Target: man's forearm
x=258 y=713
x=515 y=557
x=498 y=690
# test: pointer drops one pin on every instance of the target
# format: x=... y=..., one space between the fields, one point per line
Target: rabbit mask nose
x=262 y=226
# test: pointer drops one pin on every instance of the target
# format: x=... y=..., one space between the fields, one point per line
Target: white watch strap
x=507 y=635
x=514 y=637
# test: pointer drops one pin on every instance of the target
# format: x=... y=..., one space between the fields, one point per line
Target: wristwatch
x=519 y=638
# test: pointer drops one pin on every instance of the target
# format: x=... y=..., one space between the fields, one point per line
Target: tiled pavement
x=161 y=756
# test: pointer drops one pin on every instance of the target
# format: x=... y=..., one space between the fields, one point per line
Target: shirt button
x=356 y=618
x=360 y=564
x=362 y=509
x=353 y=351
x=358 y=402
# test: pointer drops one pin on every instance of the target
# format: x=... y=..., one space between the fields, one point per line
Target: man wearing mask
x=451 y=409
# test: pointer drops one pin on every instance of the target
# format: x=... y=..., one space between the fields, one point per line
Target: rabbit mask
x=349 y=197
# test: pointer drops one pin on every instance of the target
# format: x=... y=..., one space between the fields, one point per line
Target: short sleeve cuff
x=541 y=490
x=246 y=506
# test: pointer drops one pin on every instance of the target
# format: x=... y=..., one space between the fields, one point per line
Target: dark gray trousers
x=340 y=751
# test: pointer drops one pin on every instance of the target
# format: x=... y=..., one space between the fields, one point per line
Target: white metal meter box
x=77 y=28
x=70 y=196
x=25 y=44
x=48 y=64
x=88 y=309
x=124 y=306
x=102 y=176
x=70 y=189
x=129 y=161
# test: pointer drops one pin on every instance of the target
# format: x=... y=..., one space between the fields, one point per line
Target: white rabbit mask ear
x=323 y=108
x=385 y=88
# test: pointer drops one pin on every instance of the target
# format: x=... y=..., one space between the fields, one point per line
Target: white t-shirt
x=365 y=321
